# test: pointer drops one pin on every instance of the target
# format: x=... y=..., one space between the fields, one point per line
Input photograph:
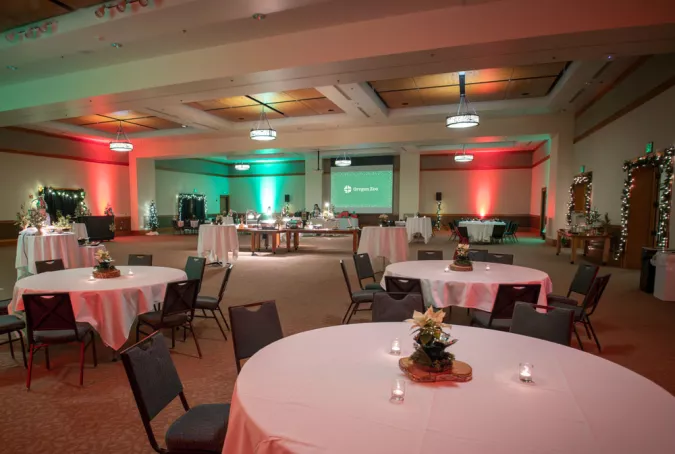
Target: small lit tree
x=153 y=220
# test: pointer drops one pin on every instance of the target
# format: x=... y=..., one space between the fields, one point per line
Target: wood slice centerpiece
x=460 y=372
x=106 y=273
x=463 y=267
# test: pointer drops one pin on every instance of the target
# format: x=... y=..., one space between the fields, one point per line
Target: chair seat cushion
x=62 y=336
x=207 y=302
x=154 y=319
x=364 y=296
x=374 y=286
x=9 y=323
x=569 y=304
x=482 y=318
x=201 y=429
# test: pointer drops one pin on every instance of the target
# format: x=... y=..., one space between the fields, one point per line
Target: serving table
x=480 y=231
x=581 y=239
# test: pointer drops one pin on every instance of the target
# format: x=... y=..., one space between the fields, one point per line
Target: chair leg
x=576 y=333
x=227 y=325
x=11 y=344
x=173 y=338
x=30 y=367
x=47 y=356
x=82 y=345
x=23 y=349
x=219 y=325
x=344 y=319
x=597 y=342
x=588 y=333
x=192 y=330
x=355 y=307
x=93 y=349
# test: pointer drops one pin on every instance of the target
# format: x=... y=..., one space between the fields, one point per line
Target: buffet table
x=480 y=231
x=276 y=237
x=581 y=240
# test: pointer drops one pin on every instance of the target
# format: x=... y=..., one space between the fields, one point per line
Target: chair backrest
x=451 y=226
x=478 y=255
x=346 y=276
x=226 y=279
x=253 y=329
x=395 y=284
x=180 y=298
x=48 y=312
x=506 y=259
x=49 y=265
x=153 y=378
x=583 y=279
x=391 y=307
x=364 y=268
x=429 y=255
x=555 y=325
x=595 y=293
x=498 y=231
x=194 y=268
x=463 y=232
x=509 y=294
x=140 y=260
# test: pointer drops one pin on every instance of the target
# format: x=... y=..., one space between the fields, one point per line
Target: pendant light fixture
x=263 y=131
x=466 y=116
x=463 y=157
x=121 y=143
x=343 y=161
x=241 y=166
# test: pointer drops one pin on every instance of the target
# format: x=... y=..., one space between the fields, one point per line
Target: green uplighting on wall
x=269 y=187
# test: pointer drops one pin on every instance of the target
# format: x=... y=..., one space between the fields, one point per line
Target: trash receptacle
x=647 y=270
x=664 y=283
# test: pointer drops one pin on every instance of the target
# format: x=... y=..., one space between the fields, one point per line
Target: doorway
x=542 y=215
x=579 y=194
x=224 y=204
x=642 y=218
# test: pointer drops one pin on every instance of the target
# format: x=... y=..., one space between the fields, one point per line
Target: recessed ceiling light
x=259 y=16
x=116 y=45
x=12 y=68
x=331 y=110
x=404 y=103
x=610 y=57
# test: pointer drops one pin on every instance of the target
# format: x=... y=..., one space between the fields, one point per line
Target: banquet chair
x=155 y=384
x=356 y=298
x=212 y=303
x=194 y=268
x=49 y=265
x=453 y=230
x=394 y=284
x=511 y=232
x=555 y=325
x=364 y=270
x=178 y=309
x=254 y=326
x=391 y=307
x=463 y=234
x=498 y=233
x=506 y=259
x=10 y=324
x=4 y=306
x=478 y=255
x=582 y=281
x=140 y=260
x=502 y=311
x=50 y=320
x=583 y=312
x=429 y=255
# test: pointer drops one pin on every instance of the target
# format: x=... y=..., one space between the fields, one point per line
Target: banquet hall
x=334 y=226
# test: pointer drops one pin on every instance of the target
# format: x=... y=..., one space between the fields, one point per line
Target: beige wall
x=540 y=175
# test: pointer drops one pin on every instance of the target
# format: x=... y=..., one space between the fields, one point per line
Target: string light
x=580 y=179
x=199 y=197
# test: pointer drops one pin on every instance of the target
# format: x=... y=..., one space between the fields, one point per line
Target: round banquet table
x=474 y=289
x=388 y=242
x=421 y=225
x=327 y=391
x=64 y=246
x=480 y=231
x=109 y=305
x=218 y=241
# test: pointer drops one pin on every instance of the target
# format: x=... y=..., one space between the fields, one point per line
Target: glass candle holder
x=525 y=372
x=91 y=277
x=395 y=347
x=130 y=273
x=398 y=390
x=487 y=267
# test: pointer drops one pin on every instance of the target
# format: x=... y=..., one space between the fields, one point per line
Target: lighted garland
x=181 y=197
x=580 y=179
x=438 y=216
x=664 y=161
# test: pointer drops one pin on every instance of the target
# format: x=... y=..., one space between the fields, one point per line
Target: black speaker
x=287 y=198
x=439 y=197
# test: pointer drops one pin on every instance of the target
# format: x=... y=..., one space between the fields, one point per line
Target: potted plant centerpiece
x=461 y=262
x=105 y=269
x=384 y=220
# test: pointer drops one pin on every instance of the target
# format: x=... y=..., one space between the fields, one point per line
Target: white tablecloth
x=109 y=305
x=194 y=224
x=419 y=225
x=388 y=242
x=476 y=289
x=32 y=248
x=480 y=231
x=337 y=223
x=80 y=230
x=338 y=402
x=218 y=241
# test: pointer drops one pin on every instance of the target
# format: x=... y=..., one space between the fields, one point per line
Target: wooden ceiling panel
x=155 y=123
x=112 y=126
x=437 y=80
x=440 y=95
x=125 y=115
x=15 y=13
x=488 y=75
x=248 y=113
x=529 y=88
x=293 y=109
x=84 y=120
x=393 y=84
x=269 y=98
x=323 y=106
x=404 y=98
x=546 y=69
x=305 y=93
x=76 y=4
x=489 y=91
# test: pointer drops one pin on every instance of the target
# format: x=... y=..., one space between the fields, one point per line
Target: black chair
x=555 y=325
x=10 y=324
x=506 y=259
x=583 y=312
x=429 y=255
x=364 y=270
x=463 y=234
x=50 y=320
x=582 y=281
x=178 y=309
x=395 y=284
x=511 y=232
x=194 y=268
x=4 y=306
x=358 y=298
x=391 y=307
x=49 y=265
x=140 y=260
x=498 y=233
x=254 y=326
x=453 y=231
x=505 y=301
x=155 y=384
x=211 y=303
x=478 y=255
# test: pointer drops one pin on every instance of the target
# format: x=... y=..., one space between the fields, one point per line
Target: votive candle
x=130 y=273
x=91 y=277
x=398 y=390
x=395 y=347
x=525 y=372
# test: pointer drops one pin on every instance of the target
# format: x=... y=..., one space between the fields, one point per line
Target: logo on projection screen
x=348 y=189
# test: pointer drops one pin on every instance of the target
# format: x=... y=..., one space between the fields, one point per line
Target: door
x=579 y=192
x=224 y=204
x=542 y=215
x=642 y=215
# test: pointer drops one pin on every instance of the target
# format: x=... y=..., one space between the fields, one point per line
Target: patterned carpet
x=101 y=417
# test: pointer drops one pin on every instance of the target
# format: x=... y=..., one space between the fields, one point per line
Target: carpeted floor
x=58 y=416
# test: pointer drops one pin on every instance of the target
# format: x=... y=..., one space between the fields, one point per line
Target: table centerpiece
x=105 y=269
x=461 y=261
x=384 y=220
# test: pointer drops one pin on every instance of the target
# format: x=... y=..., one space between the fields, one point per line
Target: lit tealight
x=447 y=269
x=395 y=347
x=91 y=277
x=525 y=372
x=130 y=273
x=487 y=267
x=398 y=391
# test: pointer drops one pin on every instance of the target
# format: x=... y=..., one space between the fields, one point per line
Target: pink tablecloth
x=109 y=305
x=476 y=289
x=327 y=391
x=388 y=242
x=218 y=241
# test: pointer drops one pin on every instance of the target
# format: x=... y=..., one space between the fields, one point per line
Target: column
x=313 y=183
x=561 y=172
x=409 y=184
x=142 y=189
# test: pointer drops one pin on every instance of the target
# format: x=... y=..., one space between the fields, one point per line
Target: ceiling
x=132 y=122
x=15 y=13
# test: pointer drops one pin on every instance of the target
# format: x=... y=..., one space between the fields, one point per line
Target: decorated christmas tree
x=153 y=221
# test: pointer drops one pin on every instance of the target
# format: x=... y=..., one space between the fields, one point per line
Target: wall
x=260 y=192
x=540 y=173
x=169 y=184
